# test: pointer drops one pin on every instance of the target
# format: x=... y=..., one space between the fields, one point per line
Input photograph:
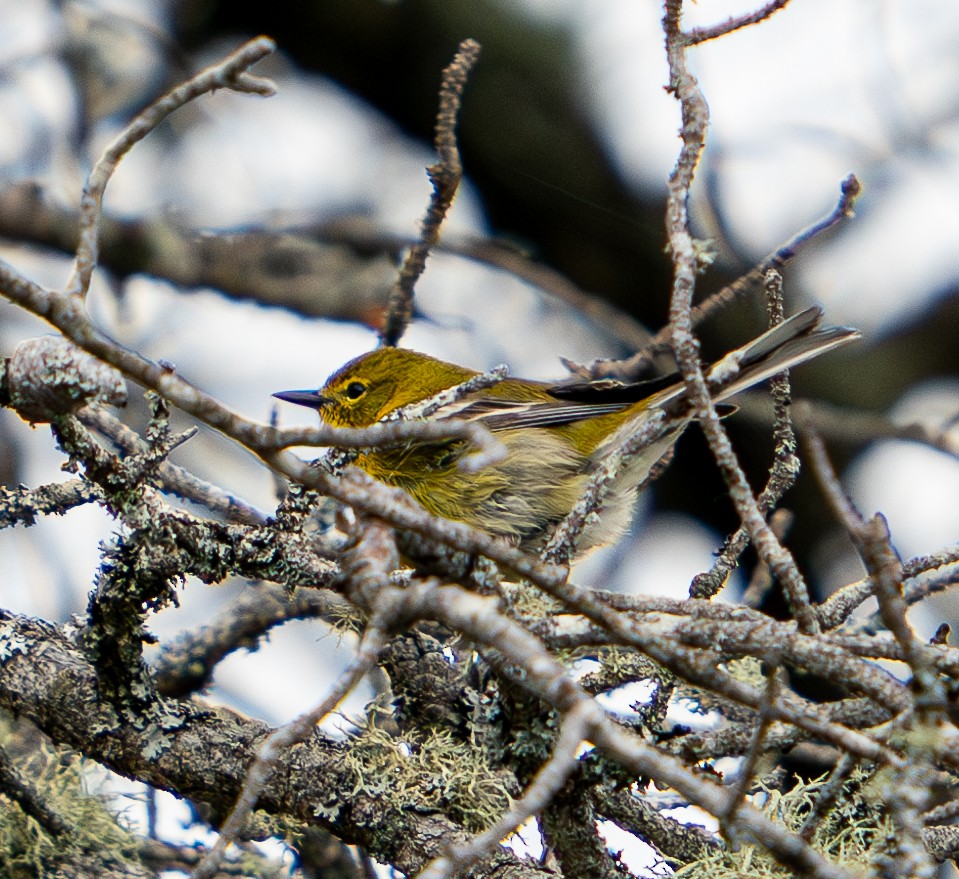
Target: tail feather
x=794 y=341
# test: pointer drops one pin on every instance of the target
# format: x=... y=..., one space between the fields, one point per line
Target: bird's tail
x=794 y=341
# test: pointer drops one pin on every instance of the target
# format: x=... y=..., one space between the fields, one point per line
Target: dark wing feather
x=505 y=414
x=550 y=415
x=611 y=391
x=792 y=342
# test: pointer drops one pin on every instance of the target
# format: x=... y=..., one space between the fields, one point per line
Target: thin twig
x=785 y=467
x=480 y=619
x=849 y=191
x=924 y=563
x=562 y=543
x=547 y=782
x=445 y=176
x=389 y=434
x=860 y=427
x=761 y=582
x=366 y=567
x=543 y=675
x=685 y=345
x=368 y=496
x=280 y=741
x=187 y=664
x=637 y=366
x=431 y=405
x=909 y=798
x=174 y=479
x=738 y=794
x=885 y=569
x=836 y=609
x=828 y=795
x=948 y=811
x=701 y=34
x=231 y=73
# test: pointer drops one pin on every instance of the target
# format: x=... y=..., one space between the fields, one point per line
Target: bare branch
x=175 y=480
x=836 y=609
x=908 y=799
x=280 y=741
x=828 y=794
x=231 y=73
x=545 y=677
x=782 y=474
x=187 y=664
x=49 y=679
x=637 y=365
x=368 y=565
x=685 y=345
x=487 y=646
x=562 y=543
x=445 y=176
x=734 y=23
x=849 y=191
x=756 y=749
x=885 y=569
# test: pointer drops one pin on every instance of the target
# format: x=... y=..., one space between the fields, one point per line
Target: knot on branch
x=49 y=376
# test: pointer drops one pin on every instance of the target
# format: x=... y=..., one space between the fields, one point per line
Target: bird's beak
x=312 y=399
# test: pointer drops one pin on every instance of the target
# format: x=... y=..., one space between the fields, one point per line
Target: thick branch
x=202 y=754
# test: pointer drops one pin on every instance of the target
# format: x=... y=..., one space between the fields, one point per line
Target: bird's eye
x=355 y=390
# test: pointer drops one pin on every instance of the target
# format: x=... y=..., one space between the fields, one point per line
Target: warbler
x=555 y=434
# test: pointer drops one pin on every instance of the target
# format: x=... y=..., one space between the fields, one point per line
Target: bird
x=556 y=434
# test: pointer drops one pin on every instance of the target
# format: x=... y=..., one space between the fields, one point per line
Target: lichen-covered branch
x=202 y=753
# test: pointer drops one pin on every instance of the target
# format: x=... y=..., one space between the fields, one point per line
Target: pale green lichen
x=430 y=773
x=345 y=619
x=747 y=670
x=27 y=849
x=159 y=732
x=854 y=832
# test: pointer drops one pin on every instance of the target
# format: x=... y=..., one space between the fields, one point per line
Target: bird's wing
x=794 y=341
x=504 y=414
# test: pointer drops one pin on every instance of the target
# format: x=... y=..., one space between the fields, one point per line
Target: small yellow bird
x=555 y=434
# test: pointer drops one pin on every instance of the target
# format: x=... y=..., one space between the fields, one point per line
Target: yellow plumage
x=555 y=434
